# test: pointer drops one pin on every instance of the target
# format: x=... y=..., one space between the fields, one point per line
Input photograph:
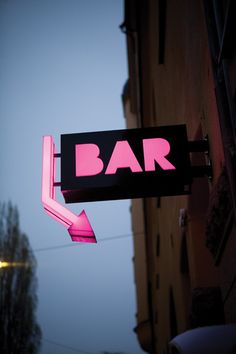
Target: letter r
x=156 y=149
x=87 y=161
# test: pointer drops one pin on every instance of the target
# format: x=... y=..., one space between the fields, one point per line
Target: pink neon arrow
x=78 y=227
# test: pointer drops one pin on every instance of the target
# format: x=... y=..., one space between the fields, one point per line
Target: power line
x=66 y=346
x=111 y=238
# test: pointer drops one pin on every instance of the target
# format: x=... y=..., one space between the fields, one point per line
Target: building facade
x=182 y=70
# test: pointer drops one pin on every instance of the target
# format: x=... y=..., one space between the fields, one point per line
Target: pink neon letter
x=122 y=157
x=87 y=162
x=155 y=150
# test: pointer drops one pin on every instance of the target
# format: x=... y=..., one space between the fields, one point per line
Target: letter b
x=87 y=161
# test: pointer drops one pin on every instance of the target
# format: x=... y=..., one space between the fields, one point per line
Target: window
x=157 y=281
x=162 y=30
x=158 y=245
x=184 y=266
x=172 y=314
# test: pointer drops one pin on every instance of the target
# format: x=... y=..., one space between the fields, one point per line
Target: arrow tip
x=81 y=230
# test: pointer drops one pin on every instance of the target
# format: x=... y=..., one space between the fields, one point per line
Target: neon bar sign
x=120 y=164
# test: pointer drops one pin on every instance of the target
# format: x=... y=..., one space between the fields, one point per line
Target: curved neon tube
x=78 y=227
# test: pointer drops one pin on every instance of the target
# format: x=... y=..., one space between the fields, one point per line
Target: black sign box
x=114 y=177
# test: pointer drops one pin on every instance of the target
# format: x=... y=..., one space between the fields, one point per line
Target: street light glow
x=4 y=264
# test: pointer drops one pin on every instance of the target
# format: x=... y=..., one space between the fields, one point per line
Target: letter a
x=87 y=162
x=155 y=150
x=122 y=157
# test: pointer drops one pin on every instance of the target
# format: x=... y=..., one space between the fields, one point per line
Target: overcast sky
x=62 y=70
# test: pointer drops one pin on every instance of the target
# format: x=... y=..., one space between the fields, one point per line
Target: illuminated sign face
x=121 y=164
